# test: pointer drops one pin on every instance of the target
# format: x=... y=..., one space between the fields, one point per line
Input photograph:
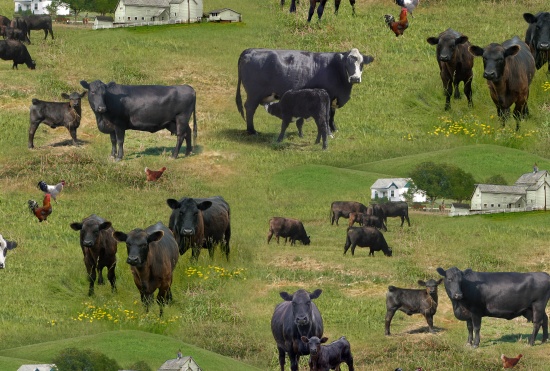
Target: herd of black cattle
x=292 y=85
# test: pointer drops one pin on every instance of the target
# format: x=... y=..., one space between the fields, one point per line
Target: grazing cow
x=152 y=255
x=303 y=104
x=455 y=64
x=200 y=223
x=5 y=245
x=321 y=7
x=145 y=108
x=366 y=237
x=56 y=114
x=328 y=357
x=508 y=295
x=411 y=301
x=396 y=209
x=266 y=74
x=509 y=68
x=295 y=317
x=39 y=22
x=99 y=249
x=537 y=37
x=11 y=33
x=20 y=24
x=16 y=51
x=344 y=208
x=355 y=218
x=373 y=221
x=4 y=21
x=287 y=228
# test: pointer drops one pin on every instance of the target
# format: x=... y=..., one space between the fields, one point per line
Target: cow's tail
x=195 y=122
x=238 y=99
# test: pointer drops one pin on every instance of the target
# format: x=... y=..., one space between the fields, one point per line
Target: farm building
x=40 y=367
x=39 y=7
x=537 y=189
x=459 y=209
x=180 y=11
x=180 y=364
x=224 y=15
x=393 y=189
x=103 y=22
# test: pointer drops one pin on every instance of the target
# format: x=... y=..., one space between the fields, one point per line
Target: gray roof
x=387 y=182
x=221 y=10
x=460 y=206
x=152 y=3
x=496 y=188
x=531 y=179
x=178 y=363
x=39 y=367
x=104 y=18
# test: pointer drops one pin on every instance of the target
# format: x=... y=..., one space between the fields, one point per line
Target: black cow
x=20 y=24
x=509 y=68
x=396 y=209
x=537 y=37
x=5 y=245
x=303 y=104
x=16 y=51
x=99 y=249
x=56 y=114
x=295 y=317
x=373 y=221
x=11 y=33
x=39 y=22
x=287 y=228
x=507 y=295
x=366 y=237
x=4 y=21
x=411 y=301
x=152 y=255
x=321 y=7
x=266 y=74
x=200 y=223
x=344 y=208
x=328 y=357
x=455 y=64
x=145 y=108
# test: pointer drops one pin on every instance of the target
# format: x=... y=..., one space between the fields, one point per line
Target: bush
x=72 y=359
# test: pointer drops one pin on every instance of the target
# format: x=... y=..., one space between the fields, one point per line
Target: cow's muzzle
x=133 y=260
x=543 y=46
x=491 y=76
x=101 y=109
x=355 y=79
x=444 y=58
x=458 y=296
x=302 y=321
x=87 y=243
x=188 y=232
x=1 y=265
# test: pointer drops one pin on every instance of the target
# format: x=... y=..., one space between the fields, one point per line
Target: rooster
x=153 y=175
x=43 y=212
x=400 y=26
x=409 y=4
x=53 y=190
x=510 y=362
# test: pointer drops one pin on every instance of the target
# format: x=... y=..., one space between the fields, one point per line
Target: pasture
x=394 y=121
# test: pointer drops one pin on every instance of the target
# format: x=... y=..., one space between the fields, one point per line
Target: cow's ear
x=120 y=236
x=315 y=294
x=286 y=296
x=204 y=205
x=421 y=283
x=173 y=204
x=529 y=18
x=439 y=281
x=467 y=271
x=433 y=40
x=83 y=94
x=367 y=59
x=65 y=96
x=476 y=50
x=76 y=226
x=111 y=84
x=324 y=339
x=105 y=225
x=461 y=40
x=441 y=271
x=85 y=84
x=155 y=236
x=11 y=245
x=511 y=51
x=305 y=339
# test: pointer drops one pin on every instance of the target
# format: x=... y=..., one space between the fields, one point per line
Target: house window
x=19 y=7
x=142 y=18
x=498 y=205
x=135 y=18
x=128 y=18
x=392 y=193
x=485 y=205
x=492 y=205
x=35 y=6
x=509 y=206
x=175 y=14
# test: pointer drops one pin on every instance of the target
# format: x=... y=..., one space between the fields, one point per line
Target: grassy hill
x=394 y=120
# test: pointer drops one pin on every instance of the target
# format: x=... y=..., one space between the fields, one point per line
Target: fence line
x=145 y=23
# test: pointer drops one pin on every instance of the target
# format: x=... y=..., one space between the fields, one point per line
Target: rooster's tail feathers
x=389 y=18
x=32 y=205
x=43 y=186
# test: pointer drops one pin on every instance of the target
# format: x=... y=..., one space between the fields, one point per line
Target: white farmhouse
x=224 y=15
x=39 y=7
x=180 y=11
x=180 y=364
x=537 y=189
x=393 y=189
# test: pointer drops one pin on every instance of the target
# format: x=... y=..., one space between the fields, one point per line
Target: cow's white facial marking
x=356 y=59
x=3 y=251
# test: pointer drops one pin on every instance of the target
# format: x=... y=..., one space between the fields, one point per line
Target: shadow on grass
x=160 y=150
x=516 y=338
x=68 y=143
x=267 y=139
x=425 y=329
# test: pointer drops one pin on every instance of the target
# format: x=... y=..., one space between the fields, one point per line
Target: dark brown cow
x=288 y=228
x=366 y=237
x=152 y=255
x=56 y=114
x=411 y=301
x=99 y=249
x=395 y=209
x=11 y=33
x=39 y=22
x=16 y=51
x=328 y=357
x=20 y=24
x=344 y=208
x=455 y=64
x=509 y=68
x=4 y=21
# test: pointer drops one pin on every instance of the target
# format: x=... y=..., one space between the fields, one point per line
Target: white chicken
x=53 y=190
x=409 y=4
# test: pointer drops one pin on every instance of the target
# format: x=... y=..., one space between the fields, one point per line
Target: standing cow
x=537 y=37
x=455 y=64
x=152 y=256
x=39 y=22
x=299 y=105
x=19 y=23
x=344 y=208
x=366 y=237
x=509 y=68
x=200 y=223
x=287 y=228
x=5 y=245
x=266 y=74
x=507 y=295
x=396 y=209
x=321 y=7
x=295 y=317
x=16 y=51
x=99 y=249
x=145 y=108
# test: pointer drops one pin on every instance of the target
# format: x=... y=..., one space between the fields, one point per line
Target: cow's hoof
x=252 y=132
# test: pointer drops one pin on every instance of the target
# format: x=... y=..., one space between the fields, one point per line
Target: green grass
x=386 y=129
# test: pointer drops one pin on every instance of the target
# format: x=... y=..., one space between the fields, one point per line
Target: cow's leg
x=183 y=130
x=390 y=312
x=227 y=238
x=336 y=6
x=120 y=133
x=195 y=252
x=294 y=360
x=292 y=5
x=331 y=124
x=402 y=220
x=352 y=3
x=408 y=220
x=91 y=278
x=347 y=245
x=112 y=277
x=100 y=275
x=311 y=10
x=448 y=88
x=250 y=108
x=284 y=125
x=32 y=130
x=476 y=322
x=269 y=235
x=544 y=327
x=281 y=358
x=430 y=320
x=72 y=131
x=468 y=91
x=113 y=144
x=51 y=31
x=322 y=127
x=45 y=33
x=321 y=8
x=457 y=90
x=299 y=126
x=470 y=327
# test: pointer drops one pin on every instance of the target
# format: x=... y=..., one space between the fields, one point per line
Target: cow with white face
x=4 y=247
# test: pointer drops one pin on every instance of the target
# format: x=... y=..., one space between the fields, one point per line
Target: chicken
x=409 y=4
x=400 y=26
x=153 y=175
x=53 y=190
x=43 y=212
x=510 y=362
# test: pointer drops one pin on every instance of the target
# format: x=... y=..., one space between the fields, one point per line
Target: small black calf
x=328 y=357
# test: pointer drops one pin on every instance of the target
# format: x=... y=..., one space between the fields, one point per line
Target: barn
x=180 y=364
x=224 y=15
x=141 y=11
x=498 y=198
x=102 y=21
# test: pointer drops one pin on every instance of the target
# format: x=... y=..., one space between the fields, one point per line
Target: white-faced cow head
x=96 y=94
x=4 y=247
x=354 y=62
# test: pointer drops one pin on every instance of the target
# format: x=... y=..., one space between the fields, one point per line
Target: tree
x=103 y=6
x=72 y=359
x=76 y=6
x=461 y=183
x=140 y=366
x=496 y=179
